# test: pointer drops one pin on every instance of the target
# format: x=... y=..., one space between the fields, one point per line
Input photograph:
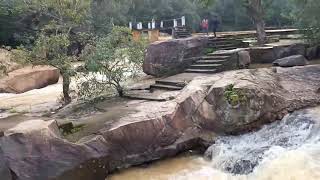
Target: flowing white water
x=285 y=150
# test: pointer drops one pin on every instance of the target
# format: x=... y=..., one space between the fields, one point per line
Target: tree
x=256 y=12
x=114 y=58
x=52 y=45
x=307 y=16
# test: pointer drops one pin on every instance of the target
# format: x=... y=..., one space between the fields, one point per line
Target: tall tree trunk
x=66 y=87
x=256 y=12
x=120 y=90
x=261 y=33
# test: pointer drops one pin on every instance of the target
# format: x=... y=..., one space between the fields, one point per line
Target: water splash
x=285 y=150
x=241 y=154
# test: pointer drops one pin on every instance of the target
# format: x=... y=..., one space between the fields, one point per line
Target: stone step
x=210 y=61
x=171 y=83
x=211 y=57
x=208 y=71
x=212 y=38
x=144 y=97
x=225 y=48
x=222 y=46
x=185 y=33
x=166 y=87
x=228 y=48
x=224 y=42
x=205 y=66
x=221 y=54
x=181 y=37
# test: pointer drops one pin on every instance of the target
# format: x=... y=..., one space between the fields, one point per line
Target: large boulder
x=173 y=56
x=297 y=60
x=240 y=100
x=28 y=78
x=229 y=102
x=290 y=50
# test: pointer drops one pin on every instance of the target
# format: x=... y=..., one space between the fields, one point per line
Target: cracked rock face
x=34 y=149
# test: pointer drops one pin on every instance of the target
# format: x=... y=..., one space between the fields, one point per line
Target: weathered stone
x=264 y=96
x=4 y=169
x=297 y=60
x=28 y=78
x=244 y=59
x=262 y=54
x=289 y=50
x=34 y=150
x=172 y=57
x=271 y=53
x=312 y=52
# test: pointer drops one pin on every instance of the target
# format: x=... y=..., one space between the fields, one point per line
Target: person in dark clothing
x=215 y=25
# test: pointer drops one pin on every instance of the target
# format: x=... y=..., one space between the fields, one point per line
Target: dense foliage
x=56 y=32
x=20 y=21
x=306 y=13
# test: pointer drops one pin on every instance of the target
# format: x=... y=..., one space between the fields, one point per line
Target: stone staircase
x=180 y=32
x=225 y=43
x=168 y=85
x=217 y=62
x=211 y=63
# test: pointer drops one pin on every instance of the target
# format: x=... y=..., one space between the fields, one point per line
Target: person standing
x=215 y=25
x=205 y=26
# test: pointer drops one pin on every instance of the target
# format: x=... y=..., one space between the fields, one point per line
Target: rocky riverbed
x=284 y=150
x=227 y=103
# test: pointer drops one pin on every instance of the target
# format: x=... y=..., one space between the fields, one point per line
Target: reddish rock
x=29 y=78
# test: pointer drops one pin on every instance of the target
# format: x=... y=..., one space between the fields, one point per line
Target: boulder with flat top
x=297 y=60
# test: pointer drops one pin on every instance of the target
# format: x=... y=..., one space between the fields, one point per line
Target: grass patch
x=209 y=50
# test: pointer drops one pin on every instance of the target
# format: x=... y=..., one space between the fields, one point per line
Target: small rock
x=244 y=59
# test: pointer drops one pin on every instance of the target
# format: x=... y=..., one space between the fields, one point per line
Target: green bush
x=234 y=96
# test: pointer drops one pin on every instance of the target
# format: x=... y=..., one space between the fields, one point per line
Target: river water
x=285 y=150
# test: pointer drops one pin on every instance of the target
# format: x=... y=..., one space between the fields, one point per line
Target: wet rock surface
x=35 y=150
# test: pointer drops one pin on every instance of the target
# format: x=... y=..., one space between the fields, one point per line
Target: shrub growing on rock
x=233 y=96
